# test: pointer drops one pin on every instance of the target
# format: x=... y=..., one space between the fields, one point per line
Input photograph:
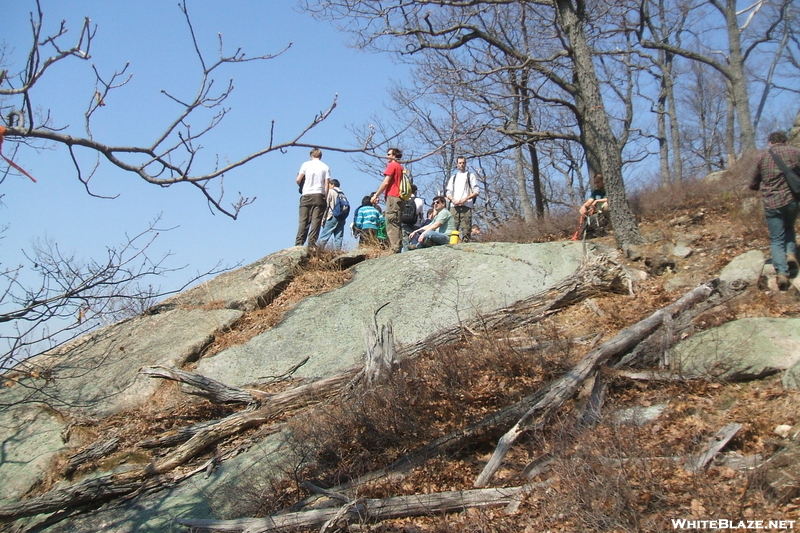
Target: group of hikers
x=402 y=225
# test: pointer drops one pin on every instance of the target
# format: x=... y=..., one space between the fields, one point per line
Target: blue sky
x=153 y=37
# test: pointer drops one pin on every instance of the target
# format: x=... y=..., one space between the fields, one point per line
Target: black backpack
x=409 y=213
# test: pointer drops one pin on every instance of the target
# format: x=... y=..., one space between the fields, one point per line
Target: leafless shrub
x=554 y=226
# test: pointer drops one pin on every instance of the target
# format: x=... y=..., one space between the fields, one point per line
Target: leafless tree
x=176 y=153
x=704 y=101
x=666 y=29
x=53 y=296
x=563 y=61
x=750 y=32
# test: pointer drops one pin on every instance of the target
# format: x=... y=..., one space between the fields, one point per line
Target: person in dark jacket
x=780 y=204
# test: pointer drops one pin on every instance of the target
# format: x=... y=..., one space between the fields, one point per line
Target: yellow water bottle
x=454 y=237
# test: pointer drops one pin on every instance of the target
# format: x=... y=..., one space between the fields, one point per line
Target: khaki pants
x=394 y=206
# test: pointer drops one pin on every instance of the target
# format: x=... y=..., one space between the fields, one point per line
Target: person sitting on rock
x=597 y=202
x=438 y=231
x=593 y=209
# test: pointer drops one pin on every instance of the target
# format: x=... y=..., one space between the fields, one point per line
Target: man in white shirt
x=314 y=180
x=461 y=191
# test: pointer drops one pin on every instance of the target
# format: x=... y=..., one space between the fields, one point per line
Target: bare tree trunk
x=661 y=121
x=730 y=131
x=538 y=192
x=737 y=74
x=602 y=148
x=770 y=75
x=522 y=184
x=672 y=112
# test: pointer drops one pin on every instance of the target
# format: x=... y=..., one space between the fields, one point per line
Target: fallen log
x=176 y=436
x=563 y=389
x=653 y=375
x=369 y=509
x=94 y=451
x=292 y=399
x=94 y=491
x=712 y=447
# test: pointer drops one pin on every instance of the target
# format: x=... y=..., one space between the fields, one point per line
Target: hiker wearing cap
x=314 y=182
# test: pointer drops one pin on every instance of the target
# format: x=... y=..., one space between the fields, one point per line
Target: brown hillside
x=602 y=476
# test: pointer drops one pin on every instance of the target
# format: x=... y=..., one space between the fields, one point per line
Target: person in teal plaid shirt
x=780 y=205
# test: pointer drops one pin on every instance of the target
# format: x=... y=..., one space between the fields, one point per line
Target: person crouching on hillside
x=438 y=231
x=597 y=201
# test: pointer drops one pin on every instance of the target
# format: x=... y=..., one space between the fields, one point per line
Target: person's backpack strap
x=791 y=177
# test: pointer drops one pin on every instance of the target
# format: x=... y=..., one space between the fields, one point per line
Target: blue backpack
x=341 y=209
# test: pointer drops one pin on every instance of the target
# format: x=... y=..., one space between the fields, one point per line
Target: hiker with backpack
x=314 y=181
x=335 y=216
x=390 y=187
x=412 y=215
x=774 y=174
x=462 y=190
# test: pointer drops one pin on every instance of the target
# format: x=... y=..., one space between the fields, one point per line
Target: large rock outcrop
x=421 y=293
x=740 y=350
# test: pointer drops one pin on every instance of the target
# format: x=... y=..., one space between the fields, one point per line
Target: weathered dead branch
x=92 y=491
x=370 y=509
x=208 y=388
x=712 y=447
x=176 y=436
x=563 y=389
x=279 y=403
x=95 y=451
x=653 y=375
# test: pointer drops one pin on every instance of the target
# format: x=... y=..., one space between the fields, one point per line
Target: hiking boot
x=792 y=260
x=783 y=282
